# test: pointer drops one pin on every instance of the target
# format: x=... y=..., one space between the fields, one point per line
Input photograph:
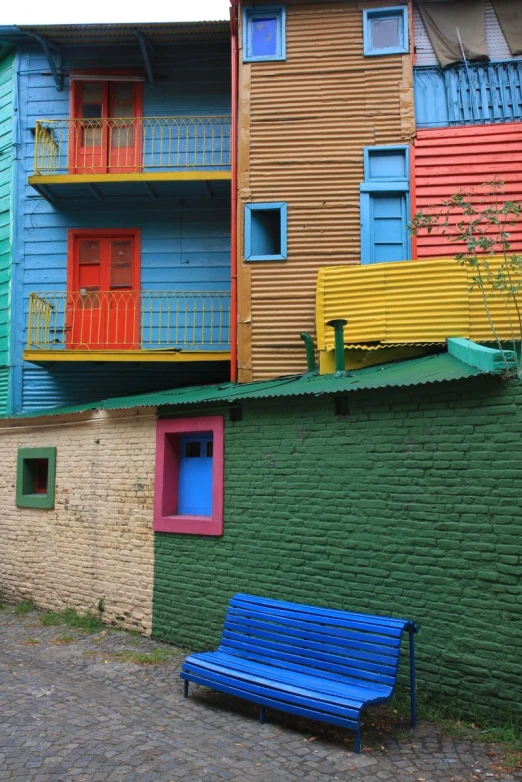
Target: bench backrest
x=336 y=644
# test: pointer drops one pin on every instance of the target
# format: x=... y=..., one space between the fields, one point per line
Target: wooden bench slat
x=313 y=653
x=311 y=639
x=289 y=693
x=354 y=695
x=372 y=621
x=277 y=657
x=361 y=639
x=326 y=619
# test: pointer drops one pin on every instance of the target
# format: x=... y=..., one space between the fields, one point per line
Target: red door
x=105 y=128
x=103 y=300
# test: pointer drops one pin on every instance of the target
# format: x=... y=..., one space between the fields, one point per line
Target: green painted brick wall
x=411 y=505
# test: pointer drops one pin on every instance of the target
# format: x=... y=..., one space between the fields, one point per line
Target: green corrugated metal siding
x=428 y=369
x=6 y=125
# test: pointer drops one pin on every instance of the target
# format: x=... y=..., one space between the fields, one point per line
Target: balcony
x=147 y=151
x=128 y=326
x=480 y=93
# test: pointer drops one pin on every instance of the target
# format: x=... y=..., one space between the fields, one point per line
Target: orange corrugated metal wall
x=303 y=125
x=465 y=157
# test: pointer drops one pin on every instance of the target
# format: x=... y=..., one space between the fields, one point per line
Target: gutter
x=233 y=198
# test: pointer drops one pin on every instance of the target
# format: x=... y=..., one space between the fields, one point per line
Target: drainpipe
x=310 y=354
x=338 y=326
x=233 y=200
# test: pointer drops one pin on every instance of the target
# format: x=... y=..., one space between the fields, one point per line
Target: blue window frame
x=264 y=34
x=266 y=232
x=385 y=30
x=195 y=475
x=385 y=205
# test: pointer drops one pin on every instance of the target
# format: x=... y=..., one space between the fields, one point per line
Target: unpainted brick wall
x=98 y=540
x=411 y=506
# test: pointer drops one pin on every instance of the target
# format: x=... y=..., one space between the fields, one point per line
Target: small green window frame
x=35 y=485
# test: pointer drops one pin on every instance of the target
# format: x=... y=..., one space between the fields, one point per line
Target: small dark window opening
x=37 y=476
x=210 y=448
x=266 y=232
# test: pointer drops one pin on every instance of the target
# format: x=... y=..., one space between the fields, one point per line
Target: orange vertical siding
x=303 y=124
x=465 y=157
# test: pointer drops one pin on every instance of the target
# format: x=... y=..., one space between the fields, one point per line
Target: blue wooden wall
x=185 y=235
x=6 y=165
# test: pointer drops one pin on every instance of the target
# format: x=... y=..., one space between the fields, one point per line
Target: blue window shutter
x=195 y=476
x=388 y=227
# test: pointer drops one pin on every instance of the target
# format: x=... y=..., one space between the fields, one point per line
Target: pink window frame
x=167 y=464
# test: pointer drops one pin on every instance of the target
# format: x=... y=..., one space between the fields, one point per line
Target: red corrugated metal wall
x=452 y=158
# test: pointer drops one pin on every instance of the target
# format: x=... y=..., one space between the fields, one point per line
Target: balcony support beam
x=139 y=356
x=147 y=52
x=47 y=46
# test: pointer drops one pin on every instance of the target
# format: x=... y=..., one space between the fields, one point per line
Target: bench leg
x=261 y=714
x=412 y=683
x=185 y=689
x=357 y=741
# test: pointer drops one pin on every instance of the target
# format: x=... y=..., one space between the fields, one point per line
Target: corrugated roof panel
x=105 y=34
x=419 y=371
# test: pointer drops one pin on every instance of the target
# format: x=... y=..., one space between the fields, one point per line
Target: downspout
x=233 y=199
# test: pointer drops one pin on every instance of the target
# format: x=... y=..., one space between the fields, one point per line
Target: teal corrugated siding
x=6 y=125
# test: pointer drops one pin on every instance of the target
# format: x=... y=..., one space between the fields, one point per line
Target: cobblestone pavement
x=71 y=709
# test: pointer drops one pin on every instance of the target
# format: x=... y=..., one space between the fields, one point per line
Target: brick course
x=98 y=540
x=411 y=505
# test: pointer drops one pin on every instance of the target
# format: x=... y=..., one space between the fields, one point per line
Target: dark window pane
x=264 y=37
x=210 y=449
x=91 y=111
x=122 y=93
x=41 y=476
x=193 y=449
x=92 y=92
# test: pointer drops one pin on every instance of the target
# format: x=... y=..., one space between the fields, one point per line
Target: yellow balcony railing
x=129 y=321
x=131 y=145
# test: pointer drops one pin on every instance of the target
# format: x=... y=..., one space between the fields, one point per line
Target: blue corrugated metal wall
x=185 y=237
x=59 y=386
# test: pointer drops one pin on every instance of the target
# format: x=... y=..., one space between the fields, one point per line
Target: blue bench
x=315 y=662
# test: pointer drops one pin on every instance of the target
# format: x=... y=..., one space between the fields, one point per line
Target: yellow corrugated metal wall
x=411 y=302
x=303 y=124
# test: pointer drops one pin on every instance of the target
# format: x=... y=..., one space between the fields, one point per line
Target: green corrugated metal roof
x=417 y=371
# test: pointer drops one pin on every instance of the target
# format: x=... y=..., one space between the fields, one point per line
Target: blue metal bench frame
x=315 y=662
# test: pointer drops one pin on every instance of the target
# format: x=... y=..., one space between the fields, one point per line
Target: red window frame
x=106 y=158
x=169 y=432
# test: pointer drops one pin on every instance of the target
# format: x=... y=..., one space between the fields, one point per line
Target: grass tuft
x=89 y=623
x=25 y=607
x=51 y=618
x=63 y=640
x=156 y=657
x=31 y=642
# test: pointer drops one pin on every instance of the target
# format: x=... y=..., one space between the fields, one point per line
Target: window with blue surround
x=266 y=232
x=195 y=475
x=385 y=30
x=385 y=205
x=264 y=34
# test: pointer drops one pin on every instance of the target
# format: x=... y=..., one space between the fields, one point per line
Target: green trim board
x=27 y=460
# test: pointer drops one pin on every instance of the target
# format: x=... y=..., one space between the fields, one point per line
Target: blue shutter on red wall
x=388 y=227
x=195 y=475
